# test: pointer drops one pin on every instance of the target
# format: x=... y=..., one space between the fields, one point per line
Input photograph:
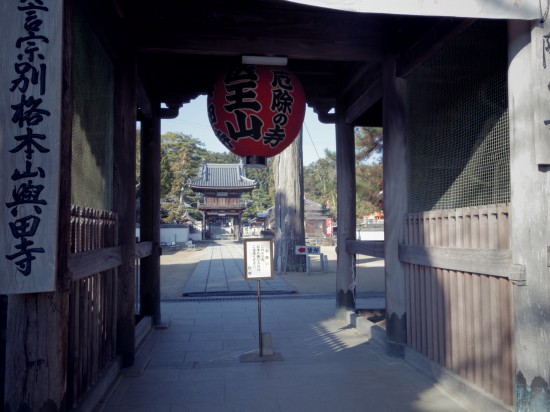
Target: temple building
x=317 y=218
x=222 y=187
x=318 y=221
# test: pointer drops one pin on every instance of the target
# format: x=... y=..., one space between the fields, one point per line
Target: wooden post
x=395 y=204
x=289 y=207
x=345 y=184
x=124 y=182
x=150 y=215
x=237 y=227
x=529 y=183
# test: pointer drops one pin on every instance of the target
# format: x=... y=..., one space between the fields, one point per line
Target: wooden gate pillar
x=289 y=207
x=124 y=147
x=345 y=186
x=150 y=215
x=395 y=204
x=237 y=227
x=530 y=211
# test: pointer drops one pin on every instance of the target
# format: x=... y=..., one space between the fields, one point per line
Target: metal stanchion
x=260 y=320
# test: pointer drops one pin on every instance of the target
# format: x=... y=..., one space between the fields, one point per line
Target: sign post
x=258 y=265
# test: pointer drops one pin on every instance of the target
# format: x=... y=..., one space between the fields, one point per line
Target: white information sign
x=258 y=259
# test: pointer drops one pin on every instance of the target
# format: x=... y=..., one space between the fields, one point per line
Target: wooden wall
x=223 y=201
x=459 y=295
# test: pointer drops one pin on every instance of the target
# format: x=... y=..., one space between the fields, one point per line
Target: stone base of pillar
x=345 y=304
x=396 y=330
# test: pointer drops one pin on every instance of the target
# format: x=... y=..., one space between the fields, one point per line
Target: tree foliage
x=369 y=185
x=180 y=160
x=320 y=176
x=369 y=179
x=182 y=156
x=263 y=197
x=369 y=142
x=320 y=181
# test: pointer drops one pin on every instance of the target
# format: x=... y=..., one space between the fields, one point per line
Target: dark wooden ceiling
x=183 y=45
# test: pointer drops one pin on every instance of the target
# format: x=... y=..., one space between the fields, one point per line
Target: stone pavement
x=220 y=271
x=193 y=362
x=217 y=268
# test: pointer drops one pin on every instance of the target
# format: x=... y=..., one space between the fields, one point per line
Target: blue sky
x=193 y=120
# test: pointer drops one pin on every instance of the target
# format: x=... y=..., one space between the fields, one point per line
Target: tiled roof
x=310 y=205
x=217 y=175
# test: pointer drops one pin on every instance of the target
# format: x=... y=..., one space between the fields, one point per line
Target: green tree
x=263 y=197
x=320 y=181
x=369 y=178
x=182 y=156
x=369 y=185
x=180 y=160
x=320 y=176
x=220 y=157
x=368 y=143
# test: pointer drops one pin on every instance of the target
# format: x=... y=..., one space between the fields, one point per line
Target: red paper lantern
x=257 y=111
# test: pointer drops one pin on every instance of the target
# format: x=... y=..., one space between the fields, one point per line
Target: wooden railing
x=92 y=324
x=92 y=310
x=366 y=247
x=459 y=295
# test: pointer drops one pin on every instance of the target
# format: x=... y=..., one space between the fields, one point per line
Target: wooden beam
x=434 y=40
x=362 y=91
x=291 y=48
x=144 y=104
x=169 y=112
x=494 y=262
x=365 y=101
x=144 y=249
x=277 y=28
x=361 y=76
x=325 y=117
x=88 y=263
x=366 y=247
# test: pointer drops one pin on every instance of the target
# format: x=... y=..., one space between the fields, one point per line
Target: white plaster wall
x=364 y=235
x=173 y=235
